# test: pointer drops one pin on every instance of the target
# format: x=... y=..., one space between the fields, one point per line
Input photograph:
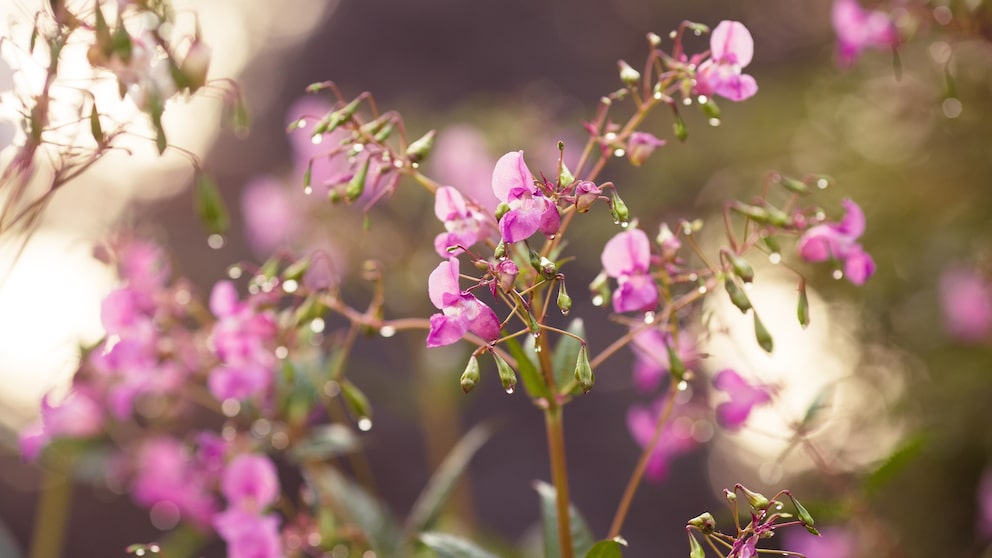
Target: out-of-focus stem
x=642 y=463
x=559 y=476
x=51 y=516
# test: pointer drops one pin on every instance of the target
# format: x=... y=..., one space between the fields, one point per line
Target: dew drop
x=775 y=258
x=657 y=95
x=230 y=407
x=229 y=432
x=649 y=317
x=387 y=331
x=509 y=390
x=702 y=99
x=564 y=312
x=693 y=277
x=697 y=32
x=332 y=389
x=673 y=34
x=702 y=289
x=683 y=385
x=215 y=241
x=597 y=300
x=317 y=325
x=616 y=221
x=552 y=237
x=280 y=440
x=838 y=274
x=302 y=123
x=624 y=224
x=307 y=190
x=261 y=427
x=619 y=152
x=687 y=101
x=537 y=348
x=234 y=272
x=290 y=286
x=952 y=107
x=610 y=136
x=714 y=122
x=822 y=183
x=358 y=147
x=415 y=165
x=316 y=139
x=398 y=164
x=281 y=352
x=820 y=215
x=778 y=506
x=365 y=424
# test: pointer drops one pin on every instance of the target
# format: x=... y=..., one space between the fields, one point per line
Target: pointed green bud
x=500 y=252
x=565 y=177
x=697 y=29
x=793 y=185
x=308 y=176
x=675 y=365
x=470 y=377
x=628 y=75
x=704 y=523
x=383 y=134
x=737 y=296
x=761 y=334
x=210 y=205
x=583 y=370
x=654 y=40
x=564 y=301
x=502 y=209
x=757 y=500
x=599 y=290
x=681 y=132
x=420 y=149
x=776 y=216
x=619 y=210
x=695 y=549
x=802 y=309
x=755 y=213
x=96 y=129
x=506 y=374
x=535 y=260
x=547 y=268
x=296 y=270
x=357 y=183
x=730 y=495
x=741 y=267
x=804 y=516
x=771 y=244
x=318 y=86
x=710 y=108
x=357 y=402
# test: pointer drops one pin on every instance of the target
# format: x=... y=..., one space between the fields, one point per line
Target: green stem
x=51 y=515
x=559 y=477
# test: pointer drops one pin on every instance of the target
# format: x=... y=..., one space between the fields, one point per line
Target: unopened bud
x=502 y=209
x=357 y=183
x=500 y=251
x=470 y=377
x=681 y=132
x=737 y=296
x=704 y=522
x=599 y=289
x=741 y=267
x=420 y=149
x=507 y=272
x=710 y=108
x=695 y=549
x=761 y=334
x=640 y=146
x=619 y=210
x=669 y=243
x=804 y=516
x=547 y=268
x=675 y=364
x=583 y=370
x=564 y=301
x=802 y=309
x=753 y=212
x=506 y=374
x=356 y=401
x=772 y=244
x=628 y=75
x=757 y=500
x=654 y=40
x=776 y=216
x=586 y=193
x=195 y=65
x=792 y=185
x=565 y=176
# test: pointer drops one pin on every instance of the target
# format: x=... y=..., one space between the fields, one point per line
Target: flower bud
x=710 y=108
x=695 y=549
x=704 y=522
x=564 y=301
x=599 y=289
x=654 y=40
x=757 y=500
x=547 y=268
x=583 y=370
x=804 y=516
x=753 y=212
x=669 y=243
x=565 y=176
x=771 y=244
x=681 y=132
x=507 y=272
x=628 y=75
x=792 y=185
x=761 y=334
x=506 y=374
x=470 y=377
x=586 y=193
x=356 y=401
x=502 y=209
x=802 y=309
x=357 y=183
x=741 y=267
x=500 y=252
x=420 y=149
x=195 y=65
x=730 y=495
x=640 y=146
x=619 y=211
x=675 y=364
x=776 y=216
x=333 y=119
x=737 y=296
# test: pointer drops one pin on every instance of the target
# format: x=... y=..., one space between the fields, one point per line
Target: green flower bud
x=695 y=549
x=704 y=522
x=681 y=132
x=357 y=183
x=420 y=149
x=761 y=334
x=737 y=296
x=741 y=267
x=619 y=210
x=757 y=500
x=564 y=301
x=755 y=213
x=583 y=370
x=470 y=377
x=628 y=75
x=506 y=374
x=502 y=210
x=802 y=309
x=675 y=365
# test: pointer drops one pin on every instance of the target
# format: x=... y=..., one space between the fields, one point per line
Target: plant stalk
x=559 y=477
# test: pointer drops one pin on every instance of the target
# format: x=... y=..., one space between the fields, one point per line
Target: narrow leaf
x=352 y=502
x=430 y=502
x=605 y=549
x=566 y=352
x=450 y=546
x=323 y=442
x=582 y=539
x=210 y=206
x=533 y=381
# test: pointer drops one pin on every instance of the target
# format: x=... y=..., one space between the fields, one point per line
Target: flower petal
x=443 y=280
x=732 y=42
x=627 y=252
x=449 y=204
x=511 y=172
x=446 y=330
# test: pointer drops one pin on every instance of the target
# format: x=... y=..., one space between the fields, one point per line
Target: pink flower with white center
x=743 y=398
x=249 y=535
x=966 y=302
x=460 y=313
x=626 y=258
x=529 y=210
x=838 y=242
x=640 y=146
x=250 y=482
x=676 y=436
x=731 y=49
x=465 y=224
x=652 y=363
x=859 y=29
x=76 y=416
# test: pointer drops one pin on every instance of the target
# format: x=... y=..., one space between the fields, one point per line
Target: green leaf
x=533 y=381
x=8 y=544
x=605 y=549
x=210 y=206
x=450 y=546
x=566 y=352
x=323 y=442
x=582 y=539
x=428 y=505
x=900 y=458
x=355 y=505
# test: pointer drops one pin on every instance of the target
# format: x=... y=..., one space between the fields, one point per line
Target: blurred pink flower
x=676 y=436
x=640 y=146
x=242 y=338
x=460 y=157
x=966 y=302
x=460 y=313
x=250 y=482
x=626 y=257
x=833 y=542
x=858 y=29
x=76 y=416
x=249 y=535
x=743 y=398
x=166 y=472
x=464 y=222
x=731 y=49
x=652 y=364
x=529 y=210
x=838 y=241
x=272 y=214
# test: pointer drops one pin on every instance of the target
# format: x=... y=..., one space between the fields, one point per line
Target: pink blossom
x=249 y=535
x=586 y=194
x=242 y=338
x=676 y=437
x=143 y=265
x=833 y=542
x=626 y=258
x=76 y=416
x=529 y=210
x=272 y=214
x=652 y=362
x=460 y=157
x=838 y=242
x=460 y=313
x=731 y=49
x=966 y=302
x=166 y=472
x=465 y=224
x=640 y=146
x=743 y=398
x=250 y=482
x=858 y=29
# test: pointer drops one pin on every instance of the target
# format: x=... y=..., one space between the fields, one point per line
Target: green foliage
x=582 y=539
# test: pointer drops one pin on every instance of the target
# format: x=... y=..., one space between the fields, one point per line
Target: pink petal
x=449 y=204
x=511 y=172
x=443 y=280
x=635 y=293
x=822 y=243
x=445 y=330
x=224 y=299
x=966 y=301
x=853 y=223
x=484 y=322
x=737 y=87
x=626 y=252
x=731 y=42
x=858 y=266
x=250 y=482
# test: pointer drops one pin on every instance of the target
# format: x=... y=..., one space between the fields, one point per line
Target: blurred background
x=905 y=361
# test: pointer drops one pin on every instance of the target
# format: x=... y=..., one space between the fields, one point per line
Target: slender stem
x=559 y=477
x=51 y=515
x=642 y=463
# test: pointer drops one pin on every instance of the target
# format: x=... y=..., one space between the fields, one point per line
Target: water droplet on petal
x=365 y=424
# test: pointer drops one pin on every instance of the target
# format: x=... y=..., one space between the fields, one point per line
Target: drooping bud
x=757 y=500
x=357 y=183
x=357 y=402
x=500 y=252
x=802 y=309
x=776 y=216
x=210 y=205
x=753 y=212
x=565 y=176
x=421 y=148
x=333 y=119
x=761 y=334
x=737 y=296
x=804 y=516
x=711 y=109
x=619 y=210
x=507 y=272
x=564 y=301
x=586 y=193
x=547 y=268
x=470 y=377
x=792 y=185
x=681 y=132
x=196 y=64
x=502 y=209
x=704 y=522
x=506 y=374
x=640 y=146
x=741 y=267
x=628 y=75
x=583 y=370
x=675 y=364
x=599 y=289
x=695 y=549
x=654 y=40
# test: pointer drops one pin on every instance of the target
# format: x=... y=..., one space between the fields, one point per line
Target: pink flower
x=529 y=210
x=833 y=542
x=838 y=242
x=272 y=214
x=465 y=224
x=77 y=416
x=966 y=301
x=731 y=49
x=640 y=146
x=166 y=472
x=460 y=157
x=676 y=437
x=743 y=397
x=652 y=362
x=242 y=338
x=249 y=535
x=250 y=482
x=626 y=258
x=460 y=313
x=858 y=29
